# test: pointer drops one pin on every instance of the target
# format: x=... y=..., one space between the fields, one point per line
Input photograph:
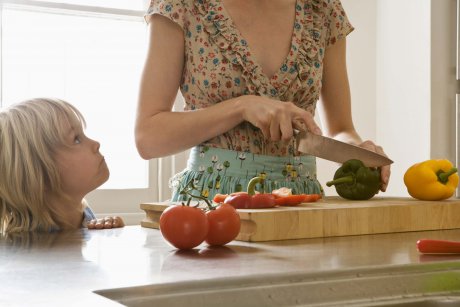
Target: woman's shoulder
x=178 y=11
x=328 y=17
x=172 y=4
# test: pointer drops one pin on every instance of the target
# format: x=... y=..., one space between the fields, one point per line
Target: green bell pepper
x=353 y=180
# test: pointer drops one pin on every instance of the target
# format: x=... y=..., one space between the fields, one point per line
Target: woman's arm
x=336 y=103
x=159 y=131
x=335 y=96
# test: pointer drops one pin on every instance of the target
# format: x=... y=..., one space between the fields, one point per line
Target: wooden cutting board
x=334 y=216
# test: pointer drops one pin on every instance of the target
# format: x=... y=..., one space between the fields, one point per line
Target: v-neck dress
x=219 y=64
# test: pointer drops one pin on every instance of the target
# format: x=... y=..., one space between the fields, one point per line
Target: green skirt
x=219 y=171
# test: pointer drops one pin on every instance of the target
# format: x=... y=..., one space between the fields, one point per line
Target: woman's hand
x=277 y=119
x=385 y=170
x=106 y=223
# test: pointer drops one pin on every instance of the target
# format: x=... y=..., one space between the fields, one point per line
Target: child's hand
x=106 y=223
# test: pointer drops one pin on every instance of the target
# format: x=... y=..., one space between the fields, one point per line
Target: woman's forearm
x=169 y=132
x=351 y=137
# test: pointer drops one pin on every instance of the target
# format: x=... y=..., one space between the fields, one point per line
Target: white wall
x=362 y=65
x=415 y=83
x=403 y=84
x=443 y=79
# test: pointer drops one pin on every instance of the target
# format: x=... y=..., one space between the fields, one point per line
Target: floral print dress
x=219 y=64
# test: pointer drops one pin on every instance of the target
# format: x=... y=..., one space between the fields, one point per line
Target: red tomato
x=183 y=226
x=224 y=225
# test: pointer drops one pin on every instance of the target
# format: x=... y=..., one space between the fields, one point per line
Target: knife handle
x=428 y=246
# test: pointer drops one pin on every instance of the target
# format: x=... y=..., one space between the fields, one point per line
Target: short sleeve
x=173 y=9
x=338 y=26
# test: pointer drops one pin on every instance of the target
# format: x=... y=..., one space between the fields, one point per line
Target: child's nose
x=96 y=145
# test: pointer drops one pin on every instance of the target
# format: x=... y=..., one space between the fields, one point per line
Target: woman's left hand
x=106 y=223
x=385 y=170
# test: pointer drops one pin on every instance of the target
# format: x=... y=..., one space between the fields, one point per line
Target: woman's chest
x=223 y=62
x=267 y=29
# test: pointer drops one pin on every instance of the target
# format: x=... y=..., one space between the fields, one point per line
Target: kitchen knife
x=333 y=150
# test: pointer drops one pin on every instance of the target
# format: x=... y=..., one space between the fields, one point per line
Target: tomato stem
x=188 y=189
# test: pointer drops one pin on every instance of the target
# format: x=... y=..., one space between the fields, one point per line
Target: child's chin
x=104 y=177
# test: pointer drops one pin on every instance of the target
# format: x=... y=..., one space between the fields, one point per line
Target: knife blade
x=333 y=150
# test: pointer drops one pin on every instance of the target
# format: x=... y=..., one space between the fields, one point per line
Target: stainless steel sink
x=403 y=286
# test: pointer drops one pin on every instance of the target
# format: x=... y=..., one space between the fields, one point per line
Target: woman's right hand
x=277 y=119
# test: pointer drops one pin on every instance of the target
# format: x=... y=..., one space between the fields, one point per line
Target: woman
x=251 y=73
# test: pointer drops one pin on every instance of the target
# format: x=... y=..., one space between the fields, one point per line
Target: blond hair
x=30 y=134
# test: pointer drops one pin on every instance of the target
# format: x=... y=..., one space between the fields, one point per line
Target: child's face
x=81 y=165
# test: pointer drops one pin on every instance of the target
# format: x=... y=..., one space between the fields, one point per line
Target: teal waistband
x=215 y=170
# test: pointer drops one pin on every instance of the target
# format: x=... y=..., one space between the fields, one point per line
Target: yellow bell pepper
x=431 y=180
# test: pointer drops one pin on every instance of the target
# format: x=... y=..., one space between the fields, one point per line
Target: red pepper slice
x=219 y=198
x=291 y=200
x=311 y=197
x=294 y=200
x=250 y=200
x=428 y=246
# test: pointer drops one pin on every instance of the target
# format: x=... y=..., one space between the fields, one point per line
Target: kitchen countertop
x=65 y=268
